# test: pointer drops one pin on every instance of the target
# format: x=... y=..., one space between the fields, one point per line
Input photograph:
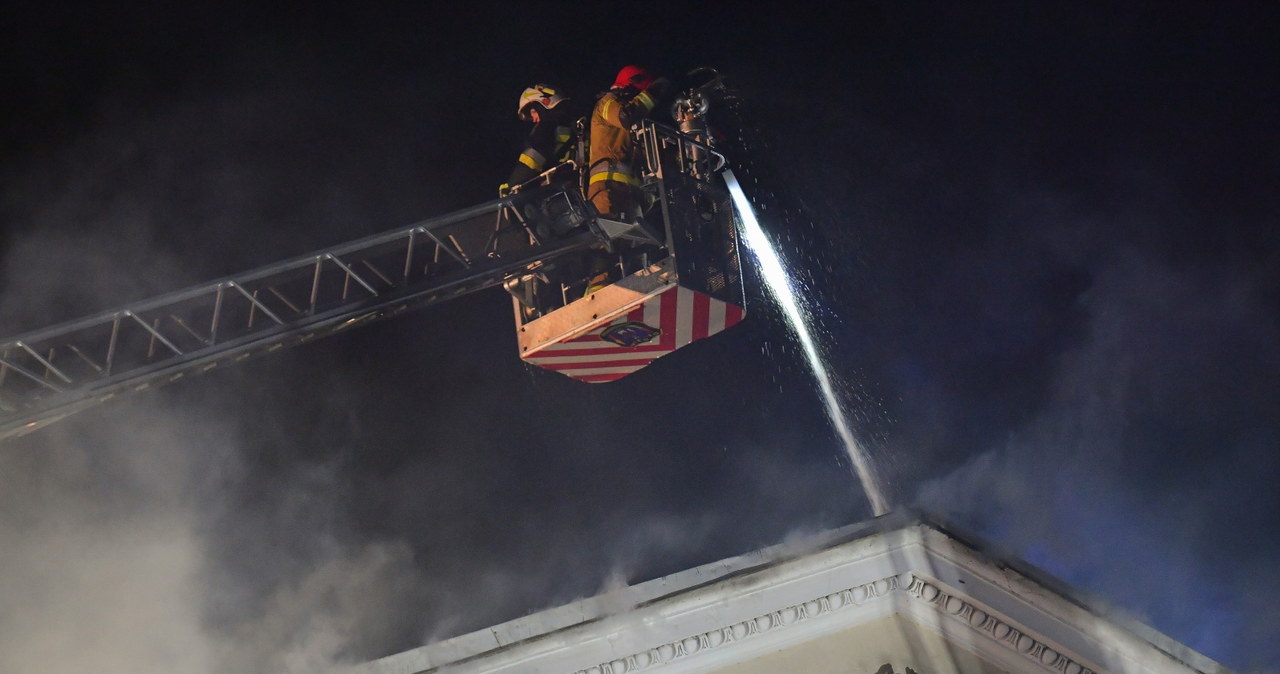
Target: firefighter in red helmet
x=549 y=142
x=613 y=185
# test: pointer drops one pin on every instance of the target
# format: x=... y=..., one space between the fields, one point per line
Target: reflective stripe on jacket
x=548 y=143
x=612 y=148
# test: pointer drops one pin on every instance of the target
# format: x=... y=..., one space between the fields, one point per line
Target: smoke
x=119 y=527
x=328 y=616
x=410 y=481
x=100 y=551
x=1168 y=401
x=88 y=579
x=107 y=558
x=338 y=502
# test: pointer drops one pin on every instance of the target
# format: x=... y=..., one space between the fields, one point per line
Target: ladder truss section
x=48 y=374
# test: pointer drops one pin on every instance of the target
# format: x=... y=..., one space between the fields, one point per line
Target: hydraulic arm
x=48 y=374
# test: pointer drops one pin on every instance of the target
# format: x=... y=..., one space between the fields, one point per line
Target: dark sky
x=1040 y=241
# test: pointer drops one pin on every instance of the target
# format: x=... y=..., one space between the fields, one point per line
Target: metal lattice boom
x=48 y=374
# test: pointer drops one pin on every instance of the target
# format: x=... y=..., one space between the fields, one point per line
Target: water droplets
x=780 y=287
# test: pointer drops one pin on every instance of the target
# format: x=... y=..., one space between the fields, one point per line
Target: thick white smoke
x=113 y=524
x=1104 y=498
x=105 y=548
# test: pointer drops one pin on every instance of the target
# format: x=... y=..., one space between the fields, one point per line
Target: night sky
x=1041 y=242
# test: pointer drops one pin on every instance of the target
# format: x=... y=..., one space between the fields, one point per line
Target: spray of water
x=778 y=283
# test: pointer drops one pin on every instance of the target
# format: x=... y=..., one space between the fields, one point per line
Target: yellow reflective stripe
x=562 y=137
x=646 y=100
x=608 y=103
x=615 y=177
x=530 y=162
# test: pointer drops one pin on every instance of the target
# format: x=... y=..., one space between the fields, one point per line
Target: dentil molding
x=953 y=607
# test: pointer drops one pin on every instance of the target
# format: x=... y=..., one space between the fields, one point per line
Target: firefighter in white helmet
x=550 y=142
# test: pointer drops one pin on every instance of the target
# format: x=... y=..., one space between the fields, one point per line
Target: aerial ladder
x=675 y=277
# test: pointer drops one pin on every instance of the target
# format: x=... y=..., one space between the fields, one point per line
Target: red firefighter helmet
x=633 y=76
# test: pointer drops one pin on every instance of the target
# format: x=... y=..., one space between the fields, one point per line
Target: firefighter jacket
x=612 y=148
x=549 y=143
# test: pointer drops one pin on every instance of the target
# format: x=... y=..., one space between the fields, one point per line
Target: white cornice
x=962 y=611
x=1034 y=650
x=783 y=598
x=816 y=608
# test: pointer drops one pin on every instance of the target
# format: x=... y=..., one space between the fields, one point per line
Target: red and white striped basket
x=623 y=328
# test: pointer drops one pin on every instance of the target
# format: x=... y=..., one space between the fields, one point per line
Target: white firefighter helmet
x=539 y=94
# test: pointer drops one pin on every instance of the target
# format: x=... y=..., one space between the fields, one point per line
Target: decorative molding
x=1004 y=634
x=952 y=606
x=748 y=629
